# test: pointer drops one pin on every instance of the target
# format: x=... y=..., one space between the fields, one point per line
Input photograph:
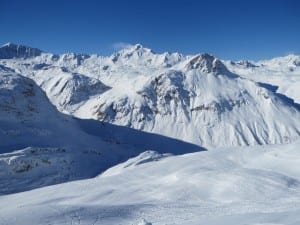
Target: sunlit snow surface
x=282 y=72
x=153 y=112
x=248 y=185
x=197 y=98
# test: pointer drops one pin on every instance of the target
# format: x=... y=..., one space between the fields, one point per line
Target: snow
x=41 y=146
x=144 y=138
x=192 y=98
x=245 y=185
x=282 y=72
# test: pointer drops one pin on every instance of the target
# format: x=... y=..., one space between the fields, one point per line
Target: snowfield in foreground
x=248 y=185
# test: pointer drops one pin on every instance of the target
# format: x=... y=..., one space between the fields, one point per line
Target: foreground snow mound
x=144 y=222
x=224 y=175
x=145 y=157
x=249 y=185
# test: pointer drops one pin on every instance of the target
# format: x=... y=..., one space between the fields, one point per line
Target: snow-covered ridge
x=283 y=72
x=67 y=88
x=199 y=99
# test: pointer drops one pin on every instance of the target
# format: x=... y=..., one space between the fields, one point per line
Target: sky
x=232 y=29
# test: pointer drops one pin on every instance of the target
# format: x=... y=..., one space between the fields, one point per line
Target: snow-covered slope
x=51 y=147
x=41 y=146
x=249 y=185
x=66 y=89
x=203 y=106
x=192 y=98
x=25 y=113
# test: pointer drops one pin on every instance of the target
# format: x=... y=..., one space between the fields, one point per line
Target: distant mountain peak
x=246 y=63
x=8 y=44
x=206 y=63
x=290 y=61
x=128 y=52
x=136 y=48
x=12 y=50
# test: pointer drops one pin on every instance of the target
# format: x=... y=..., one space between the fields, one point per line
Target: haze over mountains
x=73 y=116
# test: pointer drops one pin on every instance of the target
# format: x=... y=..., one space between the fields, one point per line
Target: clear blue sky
x=228 y=29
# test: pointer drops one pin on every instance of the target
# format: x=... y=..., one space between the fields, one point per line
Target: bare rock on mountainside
x=10 y=51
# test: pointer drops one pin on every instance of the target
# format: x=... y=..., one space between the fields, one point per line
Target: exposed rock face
x=10 y=51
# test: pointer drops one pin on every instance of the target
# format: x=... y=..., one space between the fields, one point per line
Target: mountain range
x=199 y=98
x=162 y=128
